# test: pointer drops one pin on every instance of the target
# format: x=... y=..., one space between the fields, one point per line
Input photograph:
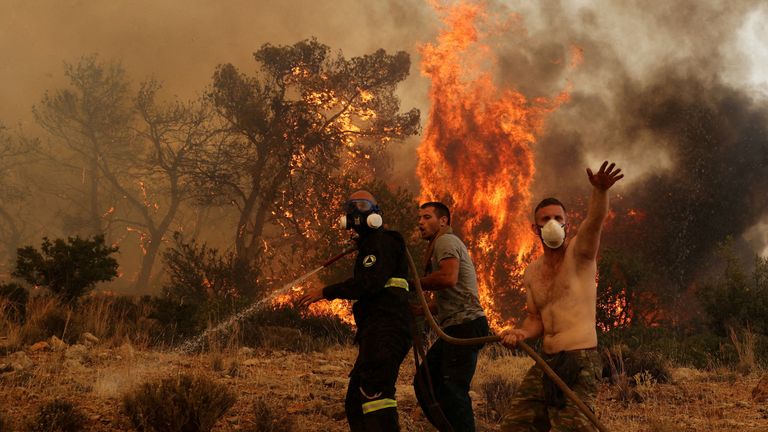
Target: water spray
x=197 y=341
x=491 y=339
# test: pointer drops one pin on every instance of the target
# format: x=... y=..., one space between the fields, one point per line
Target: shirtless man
x=561 y=303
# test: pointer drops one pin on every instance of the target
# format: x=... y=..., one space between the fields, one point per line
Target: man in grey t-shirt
x=450 y=273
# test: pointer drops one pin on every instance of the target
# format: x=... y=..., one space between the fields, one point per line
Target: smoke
x=669 y=91
x=181 y=42
x=672 y=91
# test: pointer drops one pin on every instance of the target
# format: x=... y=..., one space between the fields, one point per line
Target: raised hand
x=605 y=177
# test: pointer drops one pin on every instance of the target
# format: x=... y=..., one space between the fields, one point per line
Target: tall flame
x=476 y=154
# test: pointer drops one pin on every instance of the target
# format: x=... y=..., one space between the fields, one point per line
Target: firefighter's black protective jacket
x=381 y=267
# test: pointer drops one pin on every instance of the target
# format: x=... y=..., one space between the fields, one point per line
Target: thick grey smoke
x=668 y=91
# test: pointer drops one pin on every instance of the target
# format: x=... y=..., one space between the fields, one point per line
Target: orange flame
x=476 y=154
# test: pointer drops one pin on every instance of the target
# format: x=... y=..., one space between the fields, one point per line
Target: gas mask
x=361 y=215
x=552 y=234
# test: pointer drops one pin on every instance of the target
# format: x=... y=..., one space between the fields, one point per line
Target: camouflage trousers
x=530 y=411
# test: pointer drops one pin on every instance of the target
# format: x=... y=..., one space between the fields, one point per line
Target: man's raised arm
x=588 y=237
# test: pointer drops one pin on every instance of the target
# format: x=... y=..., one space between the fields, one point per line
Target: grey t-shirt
x=460 y=303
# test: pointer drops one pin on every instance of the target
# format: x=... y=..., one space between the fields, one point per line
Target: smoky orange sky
x=628 y=43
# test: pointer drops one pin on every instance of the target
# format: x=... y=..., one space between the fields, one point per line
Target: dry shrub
x=745 y=349
x=662 y=425
x=117 y=320
x=46 y=317
x=234 y=368
x=498 y=392
x=217 y=361
x=638 y=362
x=58 y=416
x=622 y=384
x=499 y=374
x=283 y=338
x=9 y=328
x=266 y=419
x=13 y=302
x=182 y=403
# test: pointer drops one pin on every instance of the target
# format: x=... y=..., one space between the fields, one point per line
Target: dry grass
x=105 y=316
x=499 y=374
x=745 y=349
x=310 y=388
x=308 y=385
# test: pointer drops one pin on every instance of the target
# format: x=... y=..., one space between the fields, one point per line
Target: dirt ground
x=310 y=388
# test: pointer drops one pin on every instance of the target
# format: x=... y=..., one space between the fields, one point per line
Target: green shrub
x=58 y=416
x=737 y=299
x=68 y=268
x=183 y=403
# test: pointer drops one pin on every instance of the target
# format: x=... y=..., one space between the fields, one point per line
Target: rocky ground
x=309 y=388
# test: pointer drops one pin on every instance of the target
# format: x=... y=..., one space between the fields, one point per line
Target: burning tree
x=309 y=126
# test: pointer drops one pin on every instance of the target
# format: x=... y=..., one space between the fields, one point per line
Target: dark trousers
x=370 y=403
x=451 y=368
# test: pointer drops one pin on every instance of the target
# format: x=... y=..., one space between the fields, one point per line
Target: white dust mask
x=552 y=234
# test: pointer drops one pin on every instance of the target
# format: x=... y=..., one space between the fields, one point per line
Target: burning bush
x=183 y=403
x=286 y=328
x=267 y=419
x=58 y=416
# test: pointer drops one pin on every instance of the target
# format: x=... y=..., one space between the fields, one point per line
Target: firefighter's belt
x=397 y=283
x=376 y=405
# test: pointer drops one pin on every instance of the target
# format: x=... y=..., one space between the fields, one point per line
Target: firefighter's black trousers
x=370 y=403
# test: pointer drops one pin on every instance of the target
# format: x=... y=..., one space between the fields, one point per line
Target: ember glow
x=476 y=153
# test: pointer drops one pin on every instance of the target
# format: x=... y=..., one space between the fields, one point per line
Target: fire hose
x=491 y=339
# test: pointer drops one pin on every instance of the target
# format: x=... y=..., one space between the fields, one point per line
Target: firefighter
x=382 y=315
